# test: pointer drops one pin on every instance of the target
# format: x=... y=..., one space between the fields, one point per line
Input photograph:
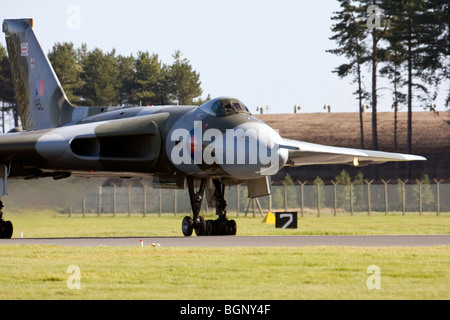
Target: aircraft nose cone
x=252 y=151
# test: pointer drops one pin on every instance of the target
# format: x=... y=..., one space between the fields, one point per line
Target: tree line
x=97 y=78
x=406 y=42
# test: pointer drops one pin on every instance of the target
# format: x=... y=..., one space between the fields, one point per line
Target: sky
x=264 y=52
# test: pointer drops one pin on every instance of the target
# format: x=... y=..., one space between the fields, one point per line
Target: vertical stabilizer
x=41 y=99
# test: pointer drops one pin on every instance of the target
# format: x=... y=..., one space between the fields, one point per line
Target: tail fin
x=41 y=99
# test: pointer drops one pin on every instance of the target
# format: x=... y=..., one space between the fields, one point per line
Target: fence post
x=129 y=199
x=302 y=184
x=145 y=199
x=114 y=200
x=420 y=182
x=335 y=197
x=385 y=196
x=368 y=195
x=438 y=204
x=159 y=202
x=351 y=197
x=238 y=198
x=99 y=200
x=84 y=207
x=175 y=202
x=285 y=196
x=403 y=195
x=318 y=183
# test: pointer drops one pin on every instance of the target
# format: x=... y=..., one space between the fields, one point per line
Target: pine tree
x=359 y=192
x=354 y=30
x=343 y=196
x=149 y=80
x=291 y=193
x=101 y=79
x=419 y=36
x=64 y=60
x=126 y=77
x=6 y=84
x=392 y=69
x=184 y=81
x=377 y=34
x=7 y=93
x=350 y=32
x=319 y=192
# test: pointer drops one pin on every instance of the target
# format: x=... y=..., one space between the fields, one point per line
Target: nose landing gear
x=220 y=226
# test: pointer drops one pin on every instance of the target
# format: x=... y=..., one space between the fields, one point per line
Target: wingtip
x=415 y=158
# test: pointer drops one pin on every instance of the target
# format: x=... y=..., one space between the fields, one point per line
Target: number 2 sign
x=286 y=220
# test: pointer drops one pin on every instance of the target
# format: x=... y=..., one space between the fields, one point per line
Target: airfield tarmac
x=244 y=241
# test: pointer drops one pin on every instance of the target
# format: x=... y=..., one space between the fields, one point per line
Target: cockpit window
x=224 y=107
x=229 y=109
x=217 y=109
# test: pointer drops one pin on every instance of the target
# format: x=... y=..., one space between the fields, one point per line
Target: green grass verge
x=42 y=224
x=39 y=272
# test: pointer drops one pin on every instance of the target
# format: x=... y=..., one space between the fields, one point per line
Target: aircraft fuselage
x=169 y=141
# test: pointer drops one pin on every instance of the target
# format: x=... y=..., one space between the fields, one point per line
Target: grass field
x=42 y=224
x=39 y=272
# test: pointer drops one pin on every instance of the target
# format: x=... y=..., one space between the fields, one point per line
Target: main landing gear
x=202 y=227
x=6 y=227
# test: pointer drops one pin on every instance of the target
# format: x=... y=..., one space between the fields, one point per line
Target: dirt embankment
x=431 y=132
x=430 y=138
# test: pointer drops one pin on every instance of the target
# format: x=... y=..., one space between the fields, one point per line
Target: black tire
x=232 y=227
x=187 y=226
x=222 y=227
x=210 y=228
x=2 y=229
x=8 y=229
x=200 y=228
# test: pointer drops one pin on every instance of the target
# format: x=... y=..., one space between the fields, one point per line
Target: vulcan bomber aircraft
x=204 y=148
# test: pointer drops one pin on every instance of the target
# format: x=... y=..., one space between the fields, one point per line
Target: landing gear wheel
x=6 y=227
x=187 y=226
x=232 y=227
x=200 y=226
x=220 y=226
x=210 y=228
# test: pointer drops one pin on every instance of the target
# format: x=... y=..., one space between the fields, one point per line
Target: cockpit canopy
x=224 y=106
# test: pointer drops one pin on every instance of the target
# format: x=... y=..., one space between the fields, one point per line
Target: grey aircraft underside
x=204 y=148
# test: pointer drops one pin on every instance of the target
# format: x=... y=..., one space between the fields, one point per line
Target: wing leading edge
x=305 y=153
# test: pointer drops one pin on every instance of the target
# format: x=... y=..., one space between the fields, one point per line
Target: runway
x=245 y=241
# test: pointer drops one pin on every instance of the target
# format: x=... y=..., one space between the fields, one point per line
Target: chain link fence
x=308 y=198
